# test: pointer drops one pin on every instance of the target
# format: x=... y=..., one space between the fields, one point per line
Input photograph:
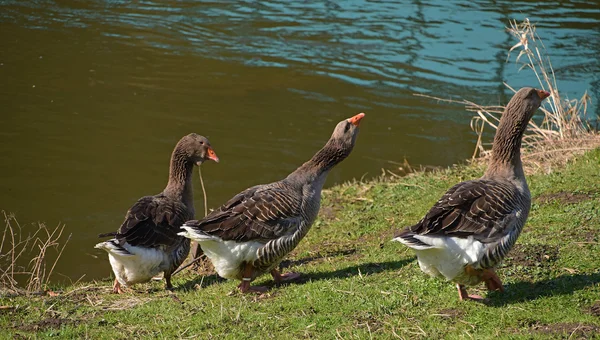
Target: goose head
x=197 y=148
x=339 y=145
x=345 y=133
x=523 y=105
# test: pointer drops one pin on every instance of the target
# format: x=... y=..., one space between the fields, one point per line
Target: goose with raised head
x=147 y=243
x=251 y=233
x=466 y=234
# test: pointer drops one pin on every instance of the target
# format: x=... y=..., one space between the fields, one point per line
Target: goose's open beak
x=356 y=119
x=543 y=94
x=212 y=155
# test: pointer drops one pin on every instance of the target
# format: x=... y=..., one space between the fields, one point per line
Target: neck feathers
x=323 y=161
x=506 y=150
x=180 y=178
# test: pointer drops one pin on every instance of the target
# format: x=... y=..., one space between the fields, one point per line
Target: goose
x=466 y=234
x=147 y=243
x=251 y=233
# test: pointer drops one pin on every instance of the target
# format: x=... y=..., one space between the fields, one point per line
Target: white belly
x=228 y=256
x=141 y=266
x=449 y=256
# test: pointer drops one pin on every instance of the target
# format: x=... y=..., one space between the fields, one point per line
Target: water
x=95 y=94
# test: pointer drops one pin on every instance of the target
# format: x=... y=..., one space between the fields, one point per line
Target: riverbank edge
x=357 y=283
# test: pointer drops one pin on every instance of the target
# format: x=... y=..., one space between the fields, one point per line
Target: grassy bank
x=358 y=284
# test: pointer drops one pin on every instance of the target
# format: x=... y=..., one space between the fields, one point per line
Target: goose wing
x=480 y=208
x=263 y=212
x=153 y=221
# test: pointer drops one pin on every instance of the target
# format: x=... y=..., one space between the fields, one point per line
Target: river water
x=95 y=94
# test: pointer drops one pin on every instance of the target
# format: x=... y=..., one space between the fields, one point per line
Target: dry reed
x=15 y=245
x=564 y=131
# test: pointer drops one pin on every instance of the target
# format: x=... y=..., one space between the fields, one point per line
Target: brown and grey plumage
x=466 y=234
x=251 y=233
x=147 y=242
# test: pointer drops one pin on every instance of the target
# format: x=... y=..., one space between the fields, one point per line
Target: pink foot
x=474 y=297
x=287 y=277
x=117 y=288
x=492 y=281
x=463 y=295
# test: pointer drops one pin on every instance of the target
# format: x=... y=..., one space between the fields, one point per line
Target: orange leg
x=117 y=287
x=492 y=281
x=287 y=277
x=488 y=276
x=246 y=278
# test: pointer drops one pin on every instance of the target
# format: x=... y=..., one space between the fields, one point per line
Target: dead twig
x=565 y=128
x=16 y=244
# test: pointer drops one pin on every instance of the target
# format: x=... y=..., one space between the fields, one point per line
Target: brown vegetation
x=565 y=129
x=15 y=245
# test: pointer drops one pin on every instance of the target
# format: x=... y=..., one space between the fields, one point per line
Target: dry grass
x=565 y=129
x=15 y=245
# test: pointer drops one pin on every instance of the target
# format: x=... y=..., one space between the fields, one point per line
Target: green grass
x=358 y=284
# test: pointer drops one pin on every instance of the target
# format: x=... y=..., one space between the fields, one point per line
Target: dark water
x=95 y=94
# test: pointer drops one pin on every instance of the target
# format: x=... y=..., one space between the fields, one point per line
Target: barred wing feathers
x=478 y=208
x=153 y=221
x=258 y=213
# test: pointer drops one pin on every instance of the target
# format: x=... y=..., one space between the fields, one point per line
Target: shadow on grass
x=526 y=291
x=363 y=269
x=200 y=281
x=204 y=281
x=316 y=258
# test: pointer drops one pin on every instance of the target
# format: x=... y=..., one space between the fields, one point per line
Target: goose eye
x=201 y=143
x=347 y=127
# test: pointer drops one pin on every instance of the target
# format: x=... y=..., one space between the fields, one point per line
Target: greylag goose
x=147 y=243
x=251 y=233
x=466 y=234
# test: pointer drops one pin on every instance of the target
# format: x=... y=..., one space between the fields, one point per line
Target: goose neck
x=180 y=179
x=506 y=150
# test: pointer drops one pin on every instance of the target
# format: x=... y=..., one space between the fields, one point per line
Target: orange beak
x=212 y=155
x=356 y=119
x=543 y=94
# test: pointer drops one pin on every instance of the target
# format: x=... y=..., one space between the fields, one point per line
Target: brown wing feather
x=153 y=221
x=257 y=213
x=473 y=208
